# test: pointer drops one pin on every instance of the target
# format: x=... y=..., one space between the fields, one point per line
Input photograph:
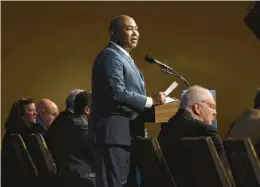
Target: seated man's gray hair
x=193 y=95
x=71 y=97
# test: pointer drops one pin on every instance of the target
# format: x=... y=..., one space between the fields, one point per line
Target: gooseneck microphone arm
x=166 y=69
x=177 y=75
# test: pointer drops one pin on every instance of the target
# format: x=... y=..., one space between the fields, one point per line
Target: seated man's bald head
x=200 y=103
x=194 y=94
x=47 y=111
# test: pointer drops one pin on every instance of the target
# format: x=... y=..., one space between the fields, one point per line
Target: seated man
x=52 y=135
x=193 y=119
x=75 y=156
x=47 y=111
x=248 y=124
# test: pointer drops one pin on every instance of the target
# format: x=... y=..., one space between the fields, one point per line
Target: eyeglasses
x=53 y=114
x=213 y=106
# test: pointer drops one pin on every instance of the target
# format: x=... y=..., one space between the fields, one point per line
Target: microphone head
x=149 y=59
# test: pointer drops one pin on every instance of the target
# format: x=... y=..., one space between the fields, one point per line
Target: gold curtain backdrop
x=48 y=48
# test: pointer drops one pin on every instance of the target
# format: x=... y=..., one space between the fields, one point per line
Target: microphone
x=166 y=69
x=154 y=61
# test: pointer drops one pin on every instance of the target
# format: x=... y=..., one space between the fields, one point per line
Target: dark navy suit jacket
x=118 y=97
x=74 y=154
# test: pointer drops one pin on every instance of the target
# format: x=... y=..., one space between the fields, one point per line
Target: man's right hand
x=159 y=98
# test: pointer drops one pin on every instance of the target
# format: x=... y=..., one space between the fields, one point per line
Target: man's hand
x=159 y=98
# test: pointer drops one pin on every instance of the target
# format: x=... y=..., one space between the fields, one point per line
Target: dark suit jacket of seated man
x=75 y=156
x=53 y=135
x=119 y=96
x=193 y=119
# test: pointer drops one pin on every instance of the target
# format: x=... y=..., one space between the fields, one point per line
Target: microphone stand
x=173 y=72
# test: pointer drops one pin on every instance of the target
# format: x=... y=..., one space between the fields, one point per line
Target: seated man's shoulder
x=183 y=120
x=64 y=115
x=77 y=120
x=206 y=127
x=61 y=119
x=203 y=127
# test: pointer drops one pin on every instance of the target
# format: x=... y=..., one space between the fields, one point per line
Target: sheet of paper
x=169 y=100
x=171 y=88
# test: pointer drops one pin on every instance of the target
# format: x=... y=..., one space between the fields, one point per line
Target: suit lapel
x=132 y=64
x=141 y=78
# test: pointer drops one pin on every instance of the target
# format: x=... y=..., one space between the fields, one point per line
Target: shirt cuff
x=149 y=102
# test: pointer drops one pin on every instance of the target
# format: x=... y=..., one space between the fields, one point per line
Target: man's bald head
x=118 y=22
x=70 y=99
x=200 y=103
x=47 y=111
x=193 y=95
x=124 y=31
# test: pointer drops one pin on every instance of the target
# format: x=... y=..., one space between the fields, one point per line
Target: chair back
x=154 y=170
x=204 y=167
x=243 y=162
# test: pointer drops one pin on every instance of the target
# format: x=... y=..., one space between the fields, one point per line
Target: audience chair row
x=33 y=163
x=201 y=164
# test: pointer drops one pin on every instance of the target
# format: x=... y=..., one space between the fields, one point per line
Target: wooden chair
x=243 y=162
x=42 y=158
x=203 y=164
x=153 y=167
x=18 y=167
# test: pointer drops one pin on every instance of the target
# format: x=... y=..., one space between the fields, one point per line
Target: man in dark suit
x=119 y=96
x=193 y=119
x=53 y=133
x=76 y=158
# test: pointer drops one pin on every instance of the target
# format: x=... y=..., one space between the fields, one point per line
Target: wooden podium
x=161 y=113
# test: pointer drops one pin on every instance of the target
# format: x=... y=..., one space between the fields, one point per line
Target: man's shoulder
x=62 y=118
x=199 y=124
x=63 y=115
x=186 y=121
x=78 y=120
x=206 y=127
x=110 y=51
x=182 y=117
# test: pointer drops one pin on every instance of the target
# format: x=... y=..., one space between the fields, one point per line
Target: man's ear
x=113 y=32
x=196 y=109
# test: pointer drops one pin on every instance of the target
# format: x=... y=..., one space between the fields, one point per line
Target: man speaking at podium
x=119 y=96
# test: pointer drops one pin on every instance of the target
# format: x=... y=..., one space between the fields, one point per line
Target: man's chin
x=134 y=45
